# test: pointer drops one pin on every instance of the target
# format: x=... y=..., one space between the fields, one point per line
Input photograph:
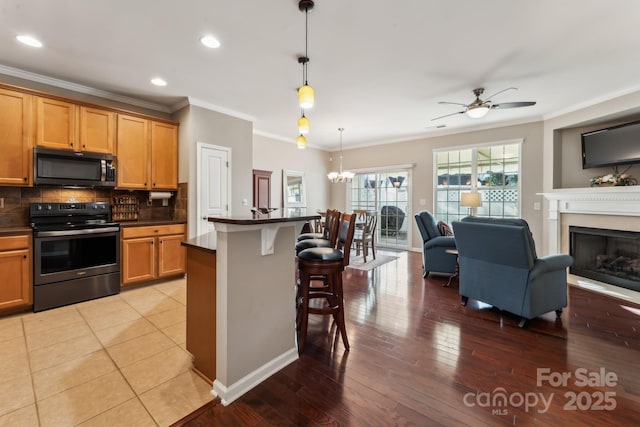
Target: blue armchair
x=434 y=258
x=499 y=266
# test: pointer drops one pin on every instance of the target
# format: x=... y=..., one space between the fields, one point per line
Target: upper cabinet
x=16 y=128
x=67 y=126
x=97 y=130
x=147 y=153
x=133 y=153
x=164 y=156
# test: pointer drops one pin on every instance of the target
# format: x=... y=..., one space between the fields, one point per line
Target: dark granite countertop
x=10 y=231
x=273 y=217
x=205 y=242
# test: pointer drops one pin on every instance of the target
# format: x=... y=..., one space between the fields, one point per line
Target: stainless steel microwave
x=73 y=169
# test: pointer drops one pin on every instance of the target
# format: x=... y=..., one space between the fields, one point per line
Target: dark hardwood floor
x=419 y=358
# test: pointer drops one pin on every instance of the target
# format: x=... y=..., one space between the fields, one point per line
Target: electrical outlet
x=1 y=202
x=149 y=202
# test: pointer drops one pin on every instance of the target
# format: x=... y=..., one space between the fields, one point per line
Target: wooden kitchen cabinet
x=132 y=153
x=164 y=156
x=67 y=126
x=97 y=130
x=147 y=154
x=152 y=252
x=15 y=268
x=17 y=137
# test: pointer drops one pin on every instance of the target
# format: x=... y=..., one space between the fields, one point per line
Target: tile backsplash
x=17 y=200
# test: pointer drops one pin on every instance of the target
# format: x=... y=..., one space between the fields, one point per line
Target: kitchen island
x=241 y=310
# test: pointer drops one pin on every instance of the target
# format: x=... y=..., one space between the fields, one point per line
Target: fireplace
x=610 y=256
x=596 y=208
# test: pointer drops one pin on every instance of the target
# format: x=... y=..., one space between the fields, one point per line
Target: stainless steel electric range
x=76 y=251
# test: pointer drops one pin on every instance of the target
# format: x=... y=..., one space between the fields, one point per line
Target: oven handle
x=77 y=232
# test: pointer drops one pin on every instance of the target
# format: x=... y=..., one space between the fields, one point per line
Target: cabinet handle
x=84 y=145
x=25 y=179
x=154 y=184
x=71 y=144
x=24 y=257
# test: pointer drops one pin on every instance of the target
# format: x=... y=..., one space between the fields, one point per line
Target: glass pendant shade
x=303 y=125
x=306 y=96
x=478 y=112
x=301 y=142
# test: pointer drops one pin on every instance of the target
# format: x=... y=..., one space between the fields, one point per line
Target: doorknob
x=204 y=217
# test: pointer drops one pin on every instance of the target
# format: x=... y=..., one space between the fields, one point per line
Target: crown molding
x=213 y=107
x=63 y=84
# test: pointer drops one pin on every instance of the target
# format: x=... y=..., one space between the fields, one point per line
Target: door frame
x=381 y=169
x=200 y=146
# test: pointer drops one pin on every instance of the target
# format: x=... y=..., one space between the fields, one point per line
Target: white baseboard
x=228 y=394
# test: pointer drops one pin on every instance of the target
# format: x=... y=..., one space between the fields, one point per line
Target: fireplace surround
x=608 y=208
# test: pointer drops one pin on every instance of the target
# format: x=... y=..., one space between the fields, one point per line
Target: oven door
x=73 y=254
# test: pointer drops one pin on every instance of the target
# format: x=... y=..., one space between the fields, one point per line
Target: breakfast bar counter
x=245 y=314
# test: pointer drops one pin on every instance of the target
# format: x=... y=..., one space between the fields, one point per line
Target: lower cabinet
x=152 y=252
x=15 y=269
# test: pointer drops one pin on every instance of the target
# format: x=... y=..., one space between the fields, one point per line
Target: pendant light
x=340 y=176
x=303 y=124
x=301 y=142
x=306 y=94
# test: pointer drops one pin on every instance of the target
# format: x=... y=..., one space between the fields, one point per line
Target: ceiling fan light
x=478 y=112
x=301 y=142
x=303 y=125
x=306 y=96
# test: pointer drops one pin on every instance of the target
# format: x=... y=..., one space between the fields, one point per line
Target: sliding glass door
x=387 y=193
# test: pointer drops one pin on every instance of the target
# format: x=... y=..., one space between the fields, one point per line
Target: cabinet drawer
x=149 y=231
x=14 y=242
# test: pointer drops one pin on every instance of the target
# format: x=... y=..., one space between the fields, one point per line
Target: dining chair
x=365 y=235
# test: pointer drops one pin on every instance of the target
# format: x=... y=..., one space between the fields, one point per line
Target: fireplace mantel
x=617 y=202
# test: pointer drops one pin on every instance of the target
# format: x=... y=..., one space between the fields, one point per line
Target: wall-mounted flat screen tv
x=613 y=146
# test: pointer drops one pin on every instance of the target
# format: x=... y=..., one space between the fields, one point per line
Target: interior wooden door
x=261 y=188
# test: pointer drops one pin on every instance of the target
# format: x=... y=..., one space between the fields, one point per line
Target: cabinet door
x=97 y=130
x=15 y=289
x=16 y=129
x=164 y=156
x=138 y=260
x=132 y=152
x=55 y=124
x=171 y=255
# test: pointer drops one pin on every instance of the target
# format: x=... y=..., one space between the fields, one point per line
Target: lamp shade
x=470 y=200
x=301 y=142
x=303 y=125
x=478 y=112
x=306 y=96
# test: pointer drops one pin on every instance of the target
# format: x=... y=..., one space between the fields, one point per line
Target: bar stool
x=327 y=263
x=325 y=239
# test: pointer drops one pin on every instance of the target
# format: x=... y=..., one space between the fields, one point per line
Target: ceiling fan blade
x=514 y=104
x=447 y=115
x=499 y=92
x=452 y=103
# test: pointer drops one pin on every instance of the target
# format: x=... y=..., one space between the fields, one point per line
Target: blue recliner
x=434 y=258
x=499 y=266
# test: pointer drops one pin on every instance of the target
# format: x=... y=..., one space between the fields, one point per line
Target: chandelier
x=340 y=176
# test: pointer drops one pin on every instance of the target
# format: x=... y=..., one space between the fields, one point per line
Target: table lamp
x=471 y=200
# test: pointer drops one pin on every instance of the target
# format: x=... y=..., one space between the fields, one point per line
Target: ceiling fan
x=479 y=108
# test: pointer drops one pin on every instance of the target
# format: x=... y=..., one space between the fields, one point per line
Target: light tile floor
x=114 y=361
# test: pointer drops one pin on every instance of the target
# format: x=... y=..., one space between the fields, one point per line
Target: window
x=492 y=170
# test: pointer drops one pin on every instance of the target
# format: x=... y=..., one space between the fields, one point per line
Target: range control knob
x=49 y=207
x=39 y=207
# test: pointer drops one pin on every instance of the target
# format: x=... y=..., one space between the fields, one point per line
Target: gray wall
x=274 y=155
x=198 y=124
x=420 y=154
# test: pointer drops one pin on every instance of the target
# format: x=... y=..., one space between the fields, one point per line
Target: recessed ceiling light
x=210 y=41
x=158 y=81
x=29 y=40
